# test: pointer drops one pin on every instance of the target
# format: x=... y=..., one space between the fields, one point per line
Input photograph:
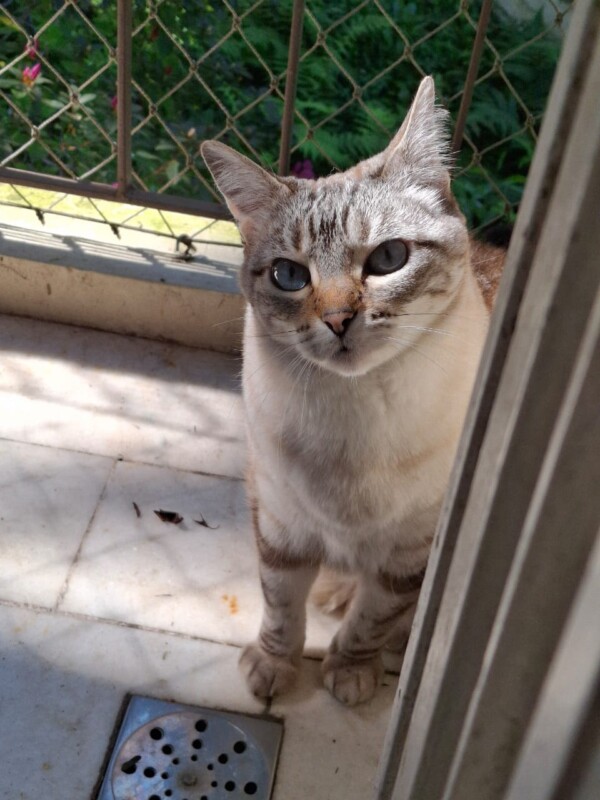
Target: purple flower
x=31 y=49
x=304 y=169
x=31 y=74
x=113 y=102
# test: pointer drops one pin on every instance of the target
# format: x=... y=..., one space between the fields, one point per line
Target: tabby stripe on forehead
x=365 y=229
x=327 y=228
x=345 y=213
x=297 y=235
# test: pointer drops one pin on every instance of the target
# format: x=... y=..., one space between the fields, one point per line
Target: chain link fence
x=105 y=102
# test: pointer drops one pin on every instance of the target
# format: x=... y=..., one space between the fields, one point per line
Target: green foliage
x=205 y=79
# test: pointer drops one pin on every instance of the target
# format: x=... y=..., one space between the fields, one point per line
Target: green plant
x=349 y=100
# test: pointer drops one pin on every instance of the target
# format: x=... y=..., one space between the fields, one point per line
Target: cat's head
x=333 y=267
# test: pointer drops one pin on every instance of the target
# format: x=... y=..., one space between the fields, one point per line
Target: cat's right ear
x=250 y=191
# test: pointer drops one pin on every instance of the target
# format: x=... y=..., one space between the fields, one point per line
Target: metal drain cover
x=167 y=751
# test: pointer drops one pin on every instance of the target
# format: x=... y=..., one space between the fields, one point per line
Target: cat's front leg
x=382 y=608
x=271 y=664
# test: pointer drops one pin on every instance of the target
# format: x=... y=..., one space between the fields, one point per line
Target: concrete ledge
x=124 y=290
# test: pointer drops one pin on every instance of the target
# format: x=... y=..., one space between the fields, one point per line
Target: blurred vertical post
x=287 y=122
x=124 y=29
x=465 y=103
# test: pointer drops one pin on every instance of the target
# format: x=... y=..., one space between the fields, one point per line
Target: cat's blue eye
x=387 y=257
x=289 y=276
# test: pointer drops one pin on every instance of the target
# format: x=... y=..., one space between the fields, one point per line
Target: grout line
x=121 y=459
x=64 y=588
x=81 y=617
x=117 y=623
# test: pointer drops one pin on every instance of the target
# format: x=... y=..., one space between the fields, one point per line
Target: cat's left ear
x=250 y=191
x=419 y=151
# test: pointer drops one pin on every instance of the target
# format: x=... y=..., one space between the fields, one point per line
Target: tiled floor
x=98 y=597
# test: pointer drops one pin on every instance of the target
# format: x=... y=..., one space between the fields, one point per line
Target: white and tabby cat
x=363 y=333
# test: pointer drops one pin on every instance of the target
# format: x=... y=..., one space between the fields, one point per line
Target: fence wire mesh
x=217 y=69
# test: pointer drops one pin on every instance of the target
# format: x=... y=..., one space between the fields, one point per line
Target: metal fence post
x=465 y=103
x=287 y=122
x=124 y=29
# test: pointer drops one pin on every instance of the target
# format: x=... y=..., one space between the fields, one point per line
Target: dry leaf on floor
x=205 y=524
x=169 y=516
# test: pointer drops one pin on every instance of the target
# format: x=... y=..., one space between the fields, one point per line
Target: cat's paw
x=267 y=675
x=351 y=682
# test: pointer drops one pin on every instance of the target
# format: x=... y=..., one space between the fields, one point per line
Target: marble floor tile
x=177 y=577
x=144 y=606
x=119 y=396
x=47 y=499
x=63 y=682
x=330 y=752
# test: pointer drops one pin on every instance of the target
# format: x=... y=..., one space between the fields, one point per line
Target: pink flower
x=31 y=48
x=304 y=169
x=113 y=103
x=30 y=74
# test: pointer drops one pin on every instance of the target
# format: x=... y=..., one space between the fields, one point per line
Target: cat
x=363 y=332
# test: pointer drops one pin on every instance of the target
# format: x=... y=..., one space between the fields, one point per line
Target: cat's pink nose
x=339 y=320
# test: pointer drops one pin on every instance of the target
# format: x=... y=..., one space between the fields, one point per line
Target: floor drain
x=167 y=751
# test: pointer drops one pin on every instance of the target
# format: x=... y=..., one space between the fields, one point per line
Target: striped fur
x=352 y=437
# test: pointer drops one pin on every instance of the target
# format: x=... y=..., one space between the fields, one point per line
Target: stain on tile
x=232 y=603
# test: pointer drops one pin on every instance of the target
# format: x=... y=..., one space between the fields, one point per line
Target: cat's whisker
x=440 y=314
x=304 y=364
x=271 y=334
x=410 y=345
x=262 y=400
x=227 y=321
x=479 y=261
x=440 y=331
x=421 y=328
x=310 y=369
x=266 y=362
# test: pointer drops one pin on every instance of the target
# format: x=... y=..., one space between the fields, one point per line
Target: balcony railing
x=109 y=99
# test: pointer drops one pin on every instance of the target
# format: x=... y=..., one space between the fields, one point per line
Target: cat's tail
x=332 y=592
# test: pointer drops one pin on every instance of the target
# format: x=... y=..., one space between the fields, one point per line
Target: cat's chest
x=351 y=452
x=335 y=422
x=358 y=434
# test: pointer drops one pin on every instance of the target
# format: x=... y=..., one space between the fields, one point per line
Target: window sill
x=124 y=290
